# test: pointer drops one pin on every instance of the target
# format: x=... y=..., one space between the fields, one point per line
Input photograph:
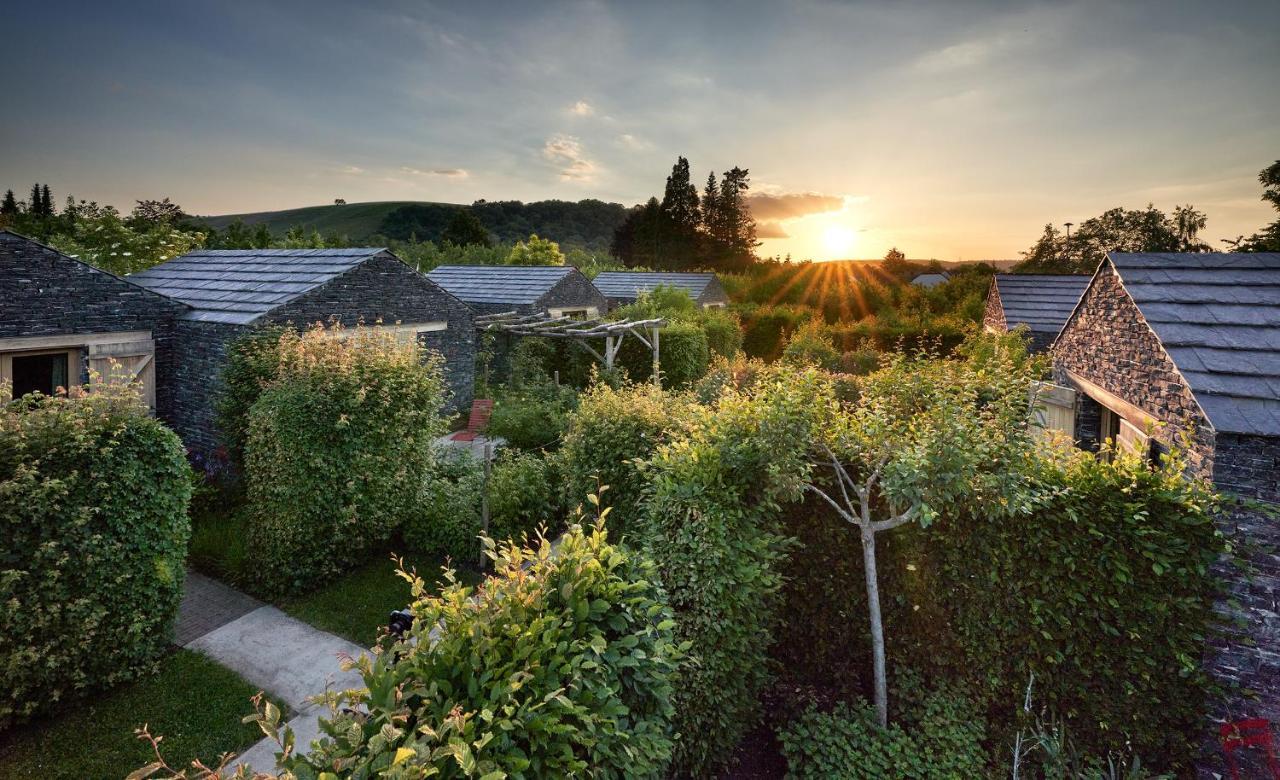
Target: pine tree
x=739 y=229
x=33 y=205
x=711 y=221
x=9 y=206
x=46 y=201
x=680 y=200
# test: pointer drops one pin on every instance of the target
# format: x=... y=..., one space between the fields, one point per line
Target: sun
x=838 y=242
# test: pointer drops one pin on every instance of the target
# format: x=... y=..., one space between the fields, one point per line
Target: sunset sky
x=952 y=130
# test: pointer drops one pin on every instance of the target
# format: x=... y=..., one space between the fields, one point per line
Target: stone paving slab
x=207 y=605
x=281 y=655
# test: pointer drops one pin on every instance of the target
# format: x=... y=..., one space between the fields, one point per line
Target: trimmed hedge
x=711 y=524
x=93 y=535
x=447 y=521
x=561 y=666
x=612 y=432
x=532 y=416
x=524 y=495
x=1105 y=592
x=252 y=363
x=339 y=452
x=683 y=352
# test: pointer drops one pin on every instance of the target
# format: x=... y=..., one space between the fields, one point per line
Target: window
x=40 y=373
x=577 y=314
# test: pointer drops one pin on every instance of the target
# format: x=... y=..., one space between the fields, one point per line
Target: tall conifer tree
x=10 y=204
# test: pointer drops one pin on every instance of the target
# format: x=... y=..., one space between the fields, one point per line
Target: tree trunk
x=877 y=628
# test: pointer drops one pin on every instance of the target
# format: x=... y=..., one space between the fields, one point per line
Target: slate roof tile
x=629 y=284
x=502 y=284
x=1042 y=302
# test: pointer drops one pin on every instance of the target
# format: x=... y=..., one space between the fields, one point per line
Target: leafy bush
x=252 y=363
x=939 y=735
x=1105 y=592
x=711 y=526
x=93 y=496
x=532 y=417
x=447 y=521
x=683 y=352
x=562 y=665
x=724 y=332
x=524 y=495
x=767 y=328
x=810 y=346
x=339 y=452
x=612 y=430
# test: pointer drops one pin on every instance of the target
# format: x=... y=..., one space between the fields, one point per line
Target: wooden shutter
x=1133 y=440
x=1055 y=408
x=134 y=362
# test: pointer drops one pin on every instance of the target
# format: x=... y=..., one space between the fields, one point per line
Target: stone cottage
x=1163 y=346
x=558 y=290
x=623 y=287
x=1042 y=302
x=228 y=293
x=61 y=319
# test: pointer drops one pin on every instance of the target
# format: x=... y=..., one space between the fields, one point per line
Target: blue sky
x=952 y=130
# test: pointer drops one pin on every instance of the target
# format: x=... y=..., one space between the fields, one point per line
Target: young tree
x=466 y=229
x=536 y=251
x=926 y=434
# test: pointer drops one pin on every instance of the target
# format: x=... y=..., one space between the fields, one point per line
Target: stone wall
x=993 y=316
x=573 y=291
x=200 y=352
x=45 y=293
x=1108 y=342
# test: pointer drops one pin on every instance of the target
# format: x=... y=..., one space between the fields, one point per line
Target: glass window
x=39 y=373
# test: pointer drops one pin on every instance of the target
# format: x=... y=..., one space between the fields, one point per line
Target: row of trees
x=1144 y=230
x=686 y=231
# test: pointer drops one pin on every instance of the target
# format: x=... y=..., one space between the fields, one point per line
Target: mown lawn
x=356 y=605
x=193 y=702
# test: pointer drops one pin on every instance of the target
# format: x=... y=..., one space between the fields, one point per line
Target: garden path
x=282 y=655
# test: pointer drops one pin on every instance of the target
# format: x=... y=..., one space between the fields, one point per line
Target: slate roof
x=1218 y=317
x=929 y=280
x=1042 y=302
x=509 y=284
x=240 y=285
x=629 y=284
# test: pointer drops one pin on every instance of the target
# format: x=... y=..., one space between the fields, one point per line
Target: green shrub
x=339 y=452
x=1105 y=592
x=562 y=665
x=684 y=356
x=251 y=365
x=447 y=521
x=724 y=332
x=612 y=430
x=711 y=524
x=810 y=346
x=93 y=534
x=939 y=735
x=524 y=495
x=767 y=328
x=532 y=417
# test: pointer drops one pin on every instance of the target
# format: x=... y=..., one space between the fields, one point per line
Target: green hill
x=587 y=223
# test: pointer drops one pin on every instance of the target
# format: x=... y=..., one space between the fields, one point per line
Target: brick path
x=208 y=604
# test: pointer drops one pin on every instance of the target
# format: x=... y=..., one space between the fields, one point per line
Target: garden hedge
x=339 y=452
x=93 y=535
x=563 y=665
x=683 y=351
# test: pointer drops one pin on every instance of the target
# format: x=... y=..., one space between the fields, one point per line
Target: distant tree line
x=587 y=224
x=684 y=231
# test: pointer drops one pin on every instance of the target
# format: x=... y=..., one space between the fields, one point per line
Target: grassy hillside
x=354 y=220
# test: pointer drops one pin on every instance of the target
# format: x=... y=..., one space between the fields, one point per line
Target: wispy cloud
x=566 y=152
x=353 y=170
x=446 y=173
x=633 y=143
x=768 y=207
x=582 y=108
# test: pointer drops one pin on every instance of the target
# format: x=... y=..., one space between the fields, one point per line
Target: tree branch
x=850 y=518
x=894 y=522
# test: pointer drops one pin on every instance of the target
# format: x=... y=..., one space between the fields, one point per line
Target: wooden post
x=484 y=500
x=608 y=352
x=657 y=364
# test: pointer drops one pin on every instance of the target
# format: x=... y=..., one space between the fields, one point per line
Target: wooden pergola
x=581 y=332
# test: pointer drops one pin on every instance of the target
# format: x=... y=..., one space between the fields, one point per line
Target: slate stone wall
x=714 y=292
x=573 y=291
x=200 y=352
x=45 y=293
x=1248 y=466
x=1108 y=342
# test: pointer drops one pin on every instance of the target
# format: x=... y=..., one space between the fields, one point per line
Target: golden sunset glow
x=838 y=241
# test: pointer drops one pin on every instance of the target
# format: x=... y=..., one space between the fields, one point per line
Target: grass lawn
x=193 y=702
x=356 y=605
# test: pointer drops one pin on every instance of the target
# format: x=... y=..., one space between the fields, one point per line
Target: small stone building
x=558 y=290
x=1042 y=302
x=229 y=293
x=61 y=319
x=931 y=279
x=623 y=287
x=1166 y=345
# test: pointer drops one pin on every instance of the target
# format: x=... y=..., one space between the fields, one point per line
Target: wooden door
x=126 y=362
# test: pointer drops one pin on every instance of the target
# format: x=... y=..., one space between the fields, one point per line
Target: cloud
x=566 y=152
x=352 y=169
x=635 y=144
x=769 y=207
x=582 y=108
x=771 y=230
x=446 y=173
